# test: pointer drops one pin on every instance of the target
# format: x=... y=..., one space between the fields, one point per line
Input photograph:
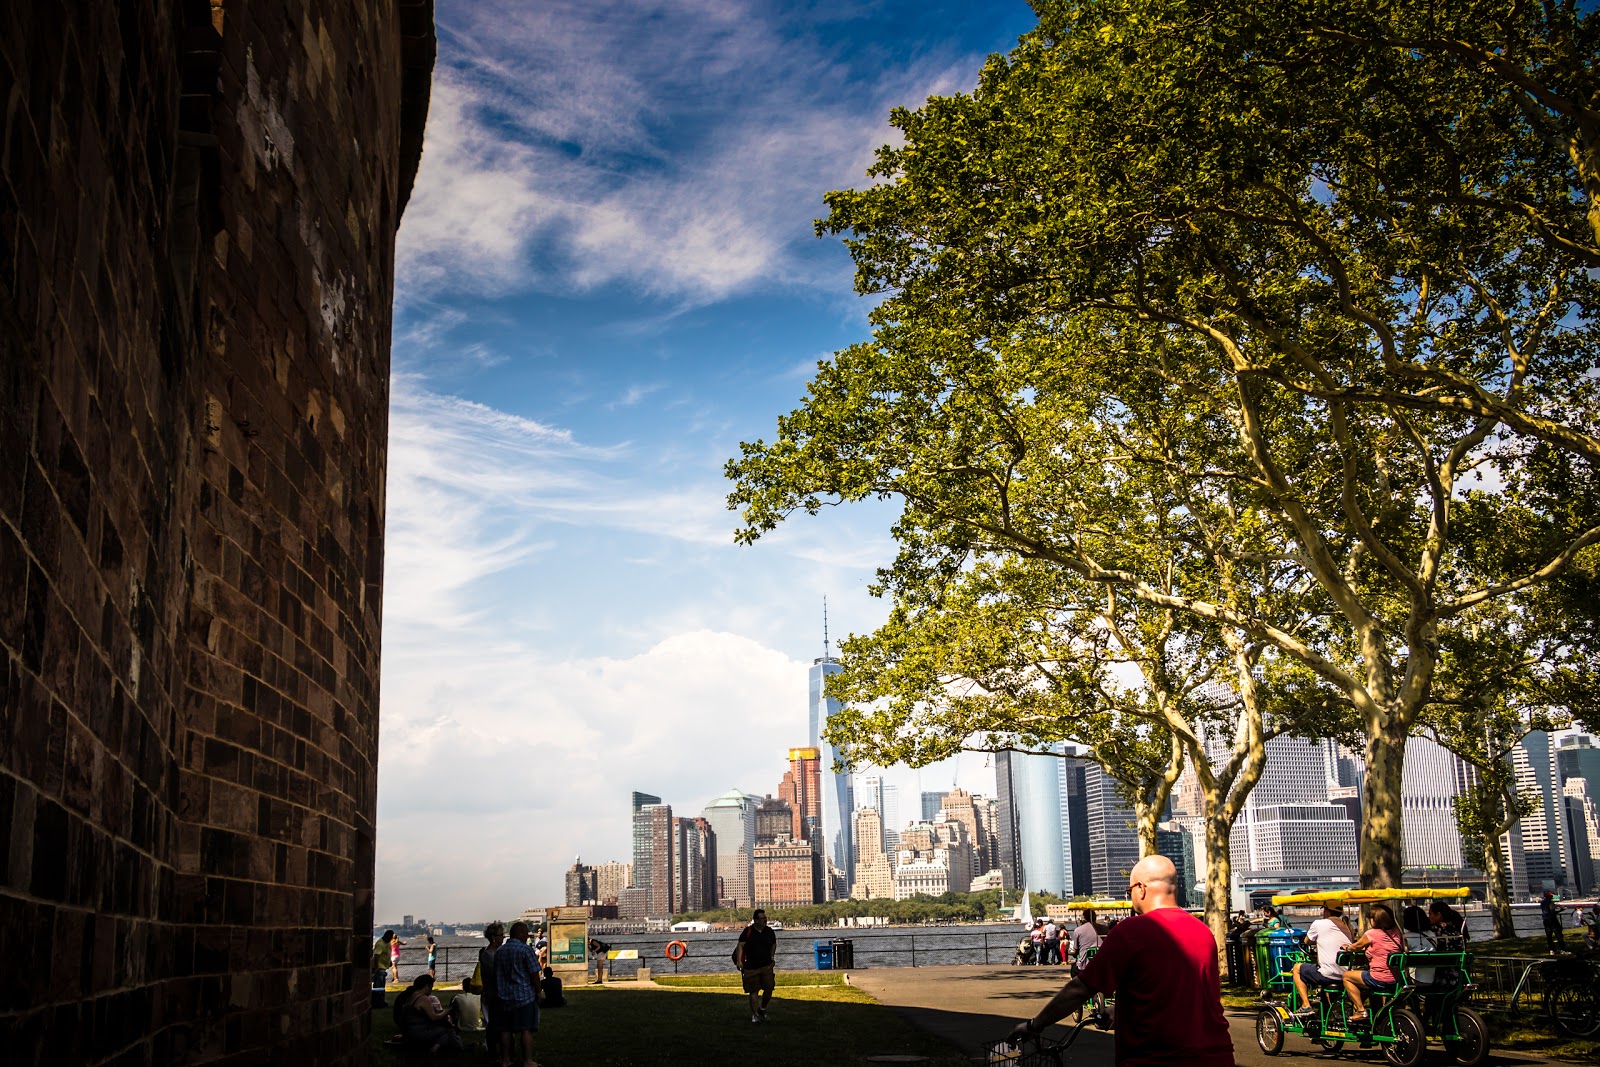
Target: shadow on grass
x=616 y=1026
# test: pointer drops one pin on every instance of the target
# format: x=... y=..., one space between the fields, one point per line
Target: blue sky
x=607 y=278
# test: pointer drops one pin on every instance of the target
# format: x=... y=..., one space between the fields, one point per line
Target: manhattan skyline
x=607 y=279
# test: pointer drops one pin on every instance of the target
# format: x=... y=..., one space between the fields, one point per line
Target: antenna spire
x=826 y=647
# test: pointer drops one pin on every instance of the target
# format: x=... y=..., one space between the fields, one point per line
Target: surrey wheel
x=1269 y=1031
x=1472 y=1048
x=1409 y=1041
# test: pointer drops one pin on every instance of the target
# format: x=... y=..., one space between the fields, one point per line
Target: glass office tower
x=837 y=799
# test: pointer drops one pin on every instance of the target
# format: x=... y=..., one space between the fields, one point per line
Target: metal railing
x=902 y=948
x=1508 y=983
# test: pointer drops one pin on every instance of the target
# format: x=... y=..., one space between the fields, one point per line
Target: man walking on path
x=1161 y=963
x=516 y=977
x=756 y=957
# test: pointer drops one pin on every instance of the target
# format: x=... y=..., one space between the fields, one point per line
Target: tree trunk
x=1497 y=889
x=1146 y=819
x=1219 y=872
x=1382 y=834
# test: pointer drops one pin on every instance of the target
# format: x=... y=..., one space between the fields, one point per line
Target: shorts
x=1377 y=985
x=759 y=979
x=1312 y=975
x=515 y=1020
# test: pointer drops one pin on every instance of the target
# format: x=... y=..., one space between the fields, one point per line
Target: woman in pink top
x=1381 y=938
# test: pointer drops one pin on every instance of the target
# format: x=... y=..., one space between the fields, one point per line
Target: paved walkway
x=972 y=1005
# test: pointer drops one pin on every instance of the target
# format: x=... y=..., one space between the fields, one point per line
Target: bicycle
x=1037 y=1051
x=1572 y=994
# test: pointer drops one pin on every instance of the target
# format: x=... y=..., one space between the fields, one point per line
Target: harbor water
x=884 y=946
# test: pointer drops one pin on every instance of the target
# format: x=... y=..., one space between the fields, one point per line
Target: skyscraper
x=870 y=794
x=1030 y=786
x=774 y=819
x=643 y=851
x=1012 y=872
x=801 y=788
x=958 y=806
x=1113 y=839
x=733 y=818
x=1543 y=831
x=1433 y=777
x=891 y=816
x=837 y=803
x=695 y=877
x=930 y=804
x=656 y=871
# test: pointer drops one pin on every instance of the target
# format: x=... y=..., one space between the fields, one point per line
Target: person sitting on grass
x=550 y=987
x=422 y=1021
x=466 y=1010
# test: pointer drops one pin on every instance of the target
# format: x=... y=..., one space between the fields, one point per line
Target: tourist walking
x=1162 y=966
x=756 y=957
x=495 y=934
x=433 y=957
x=516 y=980
x=1550 y=912
x=380 y=958
x=394 y=959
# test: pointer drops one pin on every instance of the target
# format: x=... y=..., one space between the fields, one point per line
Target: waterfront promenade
x=968 y=1005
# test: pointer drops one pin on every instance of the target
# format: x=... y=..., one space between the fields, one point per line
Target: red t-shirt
x=1162 y=966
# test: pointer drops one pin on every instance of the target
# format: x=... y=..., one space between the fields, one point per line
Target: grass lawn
x=705 y=1020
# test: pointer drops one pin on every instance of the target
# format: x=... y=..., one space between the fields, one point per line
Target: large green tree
x=1354 y=268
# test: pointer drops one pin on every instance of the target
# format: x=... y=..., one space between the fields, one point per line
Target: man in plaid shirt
x=516 y=976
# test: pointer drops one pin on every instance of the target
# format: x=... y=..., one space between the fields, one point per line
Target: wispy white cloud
x=679 y=148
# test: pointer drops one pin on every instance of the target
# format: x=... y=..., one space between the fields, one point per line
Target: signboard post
x=569 y=944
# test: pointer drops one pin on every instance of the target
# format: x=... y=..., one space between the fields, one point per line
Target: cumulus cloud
x=493 y=780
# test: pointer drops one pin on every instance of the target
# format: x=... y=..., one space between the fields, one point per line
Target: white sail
x=1025 y=910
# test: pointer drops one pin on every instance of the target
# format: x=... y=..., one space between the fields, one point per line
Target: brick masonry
x=198 y=201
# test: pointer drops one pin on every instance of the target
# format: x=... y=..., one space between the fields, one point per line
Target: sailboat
x=1025 y=910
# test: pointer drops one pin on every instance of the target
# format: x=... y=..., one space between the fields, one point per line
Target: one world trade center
x=838 y=798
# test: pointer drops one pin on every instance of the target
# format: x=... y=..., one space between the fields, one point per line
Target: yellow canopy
x=1371 y=896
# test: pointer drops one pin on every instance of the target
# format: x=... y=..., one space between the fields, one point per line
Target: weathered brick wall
x=197 y=210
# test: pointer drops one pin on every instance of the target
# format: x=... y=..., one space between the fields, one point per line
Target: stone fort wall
x=198 y=203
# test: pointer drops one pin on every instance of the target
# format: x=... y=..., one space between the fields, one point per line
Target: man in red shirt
x=1161 y=963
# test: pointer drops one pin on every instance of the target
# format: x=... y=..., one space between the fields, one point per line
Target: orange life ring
x=676 y=950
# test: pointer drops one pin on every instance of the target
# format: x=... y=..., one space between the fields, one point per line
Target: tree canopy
x=1323 y=271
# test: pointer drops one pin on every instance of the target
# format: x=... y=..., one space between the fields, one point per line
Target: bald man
x=1161 y=963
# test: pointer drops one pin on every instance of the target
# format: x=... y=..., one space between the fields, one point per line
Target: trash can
x=1240 y=972
x=1258 y=953
x=1276 y=948
x=844 y=954
x=824 y=951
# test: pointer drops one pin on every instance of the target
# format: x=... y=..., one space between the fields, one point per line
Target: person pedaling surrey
x=1162 y=966
x=1382 y=939
x=756 y=957
x=1329 y=936
x=1085 y=940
